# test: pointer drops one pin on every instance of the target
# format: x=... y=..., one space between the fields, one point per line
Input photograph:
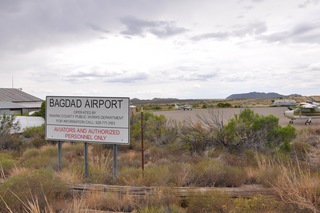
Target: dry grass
x=299 y=187
x=70 y=176
x=295 y=185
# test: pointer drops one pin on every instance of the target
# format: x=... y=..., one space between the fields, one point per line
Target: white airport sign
x=88 y=119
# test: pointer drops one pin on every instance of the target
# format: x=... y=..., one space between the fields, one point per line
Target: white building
x=16 y=102
x=284 y=103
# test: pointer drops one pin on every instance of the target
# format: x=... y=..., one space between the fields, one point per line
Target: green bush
x=34 y=131
x=160 y=209
x=9 y=141
x=157 y=175
x=180 y=174
x=224 y=105
x=50 y=151
x=7 y=163
x=213 y=201
x=130 y=176
x=207 y=173
x=41 y=185
x=258 y=203
x=249 y=130
x=42 y=111
x=30 y=153
x=155 y=128
x=234 y=177
x=41 y=161
x=38 y=142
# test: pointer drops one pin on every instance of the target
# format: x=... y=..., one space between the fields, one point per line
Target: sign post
x=104 y=120
x=115 y=160
x=59 y=156
x=86 y=165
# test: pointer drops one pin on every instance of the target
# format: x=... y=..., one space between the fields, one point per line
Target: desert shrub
x=38 y=141
x=233 y=177
x=157 y=175
x=246 y=131
x=298 y=187
x=132 y=159
x=251 y=158
x=9 y=141
x=269 y=169
x=180 y=174
x=34 y=131
x=207 y=173
x=171 y=208
x=232 y=159
x=223 y=105
x=42 y=111
x=46 y=157
x=99 y=176
x=249 y=130
x=30 y=153
x=164 y=199
x=41 y=161
x=155 y=153
x=40 y=184
x=101 y=157
x=120 y=203
x=196 y=137
x=7 y=163
x=130 y=176
x=213 y=201
x=300 y=150
x=72 y=152
x=155 y=128
x=50 y=151
x=258 y=203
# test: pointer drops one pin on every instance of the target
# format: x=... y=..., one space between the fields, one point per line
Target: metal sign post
x=59 y=156
x=86 y=165
x=115 y=163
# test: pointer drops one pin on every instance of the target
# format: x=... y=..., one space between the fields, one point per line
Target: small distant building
x=284 y=102
x=16 y=102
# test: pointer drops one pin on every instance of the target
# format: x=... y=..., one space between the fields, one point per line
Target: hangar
x=284 y=103
x=16 y=102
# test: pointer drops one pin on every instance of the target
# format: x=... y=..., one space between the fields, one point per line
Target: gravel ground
x=227 y=113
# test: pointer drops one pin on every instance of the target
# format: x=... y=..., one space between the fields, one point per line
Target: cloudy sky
x=160 y=48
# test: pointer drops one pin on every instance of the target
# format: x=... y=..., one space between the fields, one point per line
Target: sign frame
x=93 y=119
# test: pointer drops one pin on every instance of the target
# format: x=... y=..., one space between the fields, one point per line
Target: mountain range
x=253 y=95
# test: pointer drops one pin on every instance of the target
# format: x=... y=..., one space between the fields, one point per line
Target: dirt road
x=227 y=113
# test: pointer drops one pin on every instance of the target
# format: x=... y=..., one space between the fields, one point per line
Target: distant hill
x=253 y=95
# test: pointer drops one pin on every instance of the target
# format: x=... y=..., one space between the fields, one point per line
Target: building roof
x=16 y=95
x=10 y=105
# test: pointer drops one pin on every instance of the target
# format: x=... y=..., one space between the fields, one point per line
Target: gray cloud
x=28 y=25
x=307 y=3
x=216 y=36
x=92 y=74
x=187 y=73
x=301 y=33
x=161 y=29
x=255 y=28
x=113 y=77
x=127 y=77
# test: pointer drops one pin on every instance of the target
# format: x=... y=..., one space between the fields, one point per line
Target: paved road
x=227 y=113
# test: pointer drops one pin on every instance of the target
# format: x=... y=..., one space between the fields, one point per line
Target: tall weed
x=41 y=184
